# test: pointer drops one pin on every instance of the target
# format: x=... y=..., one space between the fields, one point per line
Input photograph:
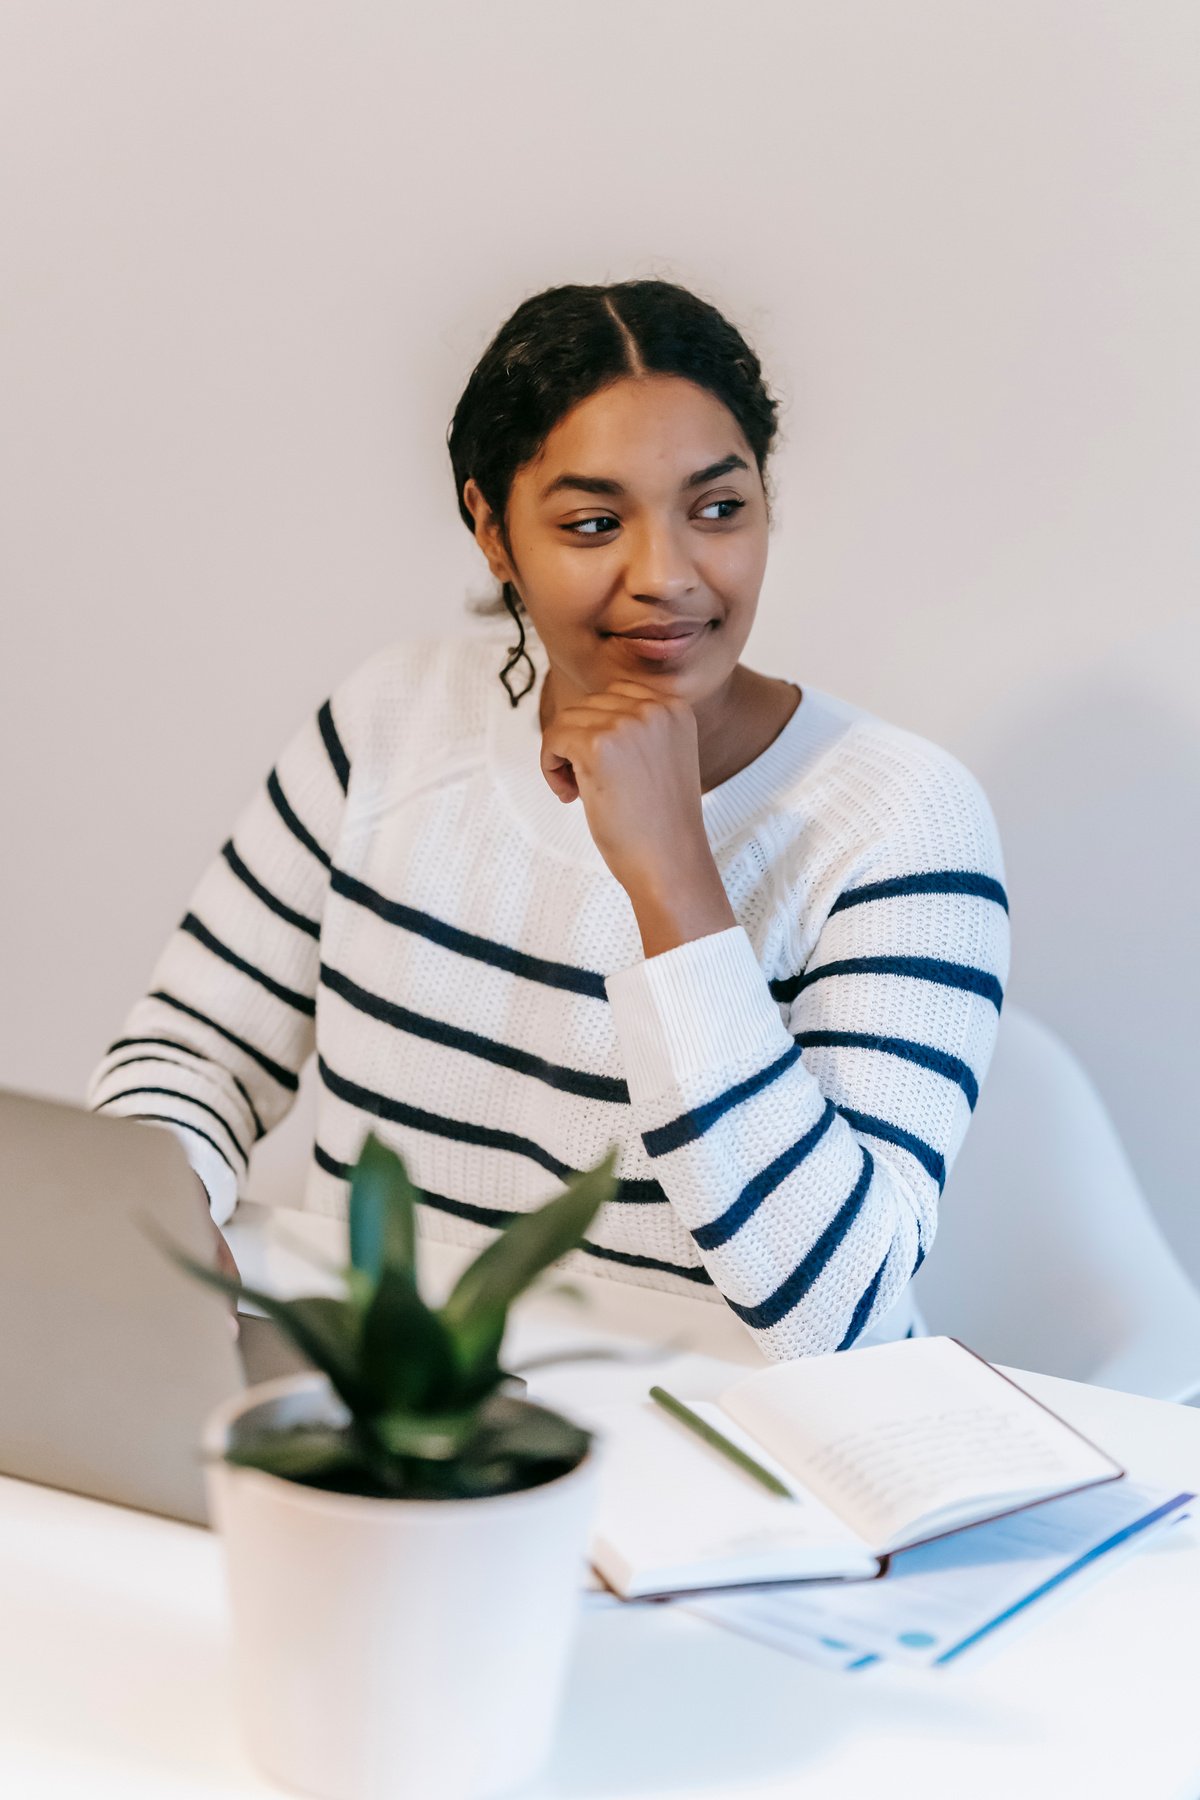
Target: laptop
x=111 y=1356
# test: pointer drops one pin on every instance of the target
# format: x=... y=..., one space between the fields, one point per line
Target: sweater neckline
x=514 y=736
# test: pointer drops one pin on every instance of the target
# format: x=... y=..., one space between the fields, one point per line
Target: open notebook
x=881 y=1449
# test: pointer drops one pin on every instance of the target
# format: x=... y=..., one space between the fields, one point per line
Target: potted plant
x=404 y=1540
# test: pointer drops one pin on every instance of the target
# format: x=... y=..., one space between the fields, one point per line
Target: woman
x=746 y=930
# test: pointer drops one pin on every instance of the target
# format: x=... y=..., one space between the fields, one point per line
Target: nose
x=659 y=566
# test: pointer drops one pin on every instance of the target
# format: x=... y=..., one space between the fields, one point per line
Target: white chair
x=1047 y=1256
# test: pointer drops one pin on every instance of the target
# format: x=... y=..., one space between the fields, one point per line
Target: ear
x=487 y=531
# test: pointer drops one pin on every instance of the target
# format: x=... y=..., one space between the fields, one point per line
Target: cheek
x=733 y=566
x=565 y=582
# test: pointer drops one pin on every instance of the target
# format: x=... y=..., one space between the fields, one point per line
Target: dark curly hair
x=566 y=343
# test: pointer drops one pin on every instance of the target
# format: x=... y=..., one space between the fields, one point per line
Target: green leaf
x=564 y=1290
x=407 y=1353
x=296 y=1454
x=325 y=1330
x=383 y=1227
x=477 y=1342
x=518 y=1445
x=477 y=1309
x=360 y=1288
x=529 y=1433
x=503 y=1445
x=431 y=1437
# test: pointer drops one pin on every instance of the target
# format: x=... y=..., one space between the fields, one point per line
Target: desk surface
x=115 y=1671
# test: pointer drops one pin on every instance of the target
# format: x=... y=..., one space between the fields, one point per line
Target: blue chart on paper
x=941 y=1599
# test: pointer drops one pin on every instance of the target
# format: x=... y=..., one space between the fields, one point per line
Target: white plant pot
x=393 y=1649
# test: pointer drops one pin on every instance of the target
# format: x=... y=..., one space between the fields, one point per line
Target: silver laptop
x=111 y=1356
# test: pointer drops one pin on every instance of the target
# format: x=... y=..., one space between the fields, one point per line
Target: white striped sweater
x=406 y=897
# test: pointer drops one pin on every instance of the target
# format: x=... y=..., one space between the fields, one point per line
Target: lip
x=657 y=647
x=658 y=628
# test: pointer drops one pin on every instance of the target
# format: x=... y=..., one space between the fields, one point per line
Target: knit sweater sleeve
x=214 y=1049
x=803 y=1127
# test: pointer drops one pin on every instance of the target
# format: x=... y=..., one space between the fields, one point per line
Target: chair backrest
x=1047 y=1256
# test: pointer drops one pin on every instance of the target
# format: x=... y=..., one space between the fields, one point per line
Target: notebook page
x=888 y=1434
x=674 y=1513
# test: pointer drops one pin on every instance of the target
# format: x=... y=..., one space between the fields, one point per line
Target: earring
x=518 y=650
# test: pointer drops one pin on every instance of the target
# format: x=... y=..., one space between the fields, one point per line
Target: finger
x=560 y=775
x=610 y=699
x=592 y=714
x=225 y=1257
x=564 y=785
x=637 y=689
x=566 y=742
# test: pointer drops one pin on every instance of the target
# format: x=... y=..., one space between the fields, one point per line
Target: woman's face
x=643 y=508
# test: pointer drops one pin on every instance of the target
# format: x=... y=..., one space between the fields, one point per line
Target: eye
x=601 y=523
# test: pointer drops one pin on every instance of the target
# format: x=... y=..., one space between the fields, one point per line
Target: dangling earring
x=518 y=650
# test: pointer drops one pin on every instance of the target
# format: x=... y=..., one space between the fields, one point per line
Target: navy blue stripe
x=469 y=943
x=165 y=1119
x=333 y=744
x=862 y=1311
x=339 y=1170
x=189 y=1050
x=168 y=1062
x=499 y=1216
x=691 y=1125
x=275 y=1070
x=711 y=1236
x=298 y=831
x=472 y=1043
x=791 y=1291
x=940 y=1061
x=926 y=1155
x=631 y=1260
x=919 y=968
x=628 y=1193
x=177 y=1094
x=934 y=881
x=256 y=887
x=495 y=1216
x=303 y=1003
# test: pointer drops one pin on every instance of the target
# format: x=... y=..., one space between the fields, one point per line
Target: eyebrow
x=601 y=484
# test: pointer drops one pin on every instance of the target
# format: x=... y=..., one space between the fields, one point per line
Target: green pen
x=712 y=1436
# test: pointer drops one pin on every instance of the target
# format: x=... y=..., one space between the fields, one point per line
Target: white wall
x=253 y=248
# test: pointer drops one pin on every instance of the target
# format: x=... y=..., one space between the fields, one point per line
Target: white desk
x=114 y=1668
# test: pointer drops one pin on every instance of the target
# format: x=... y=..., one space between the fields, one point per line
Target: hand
x=225 y=1258
x=632 y=757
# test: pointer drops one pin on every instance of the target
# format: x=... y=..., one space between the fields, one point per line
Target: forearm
x=680 y=905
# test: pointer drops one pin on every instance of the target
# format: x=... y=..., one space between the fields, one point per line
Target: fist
x=631 y=755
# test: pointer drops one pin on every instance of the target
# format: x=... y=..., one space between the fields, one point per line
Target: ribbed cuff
x=218 y=1178
x=699 y=1007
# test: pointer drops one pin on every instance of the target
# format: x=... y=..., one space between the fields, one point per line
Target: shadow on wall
x=1095 y=789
